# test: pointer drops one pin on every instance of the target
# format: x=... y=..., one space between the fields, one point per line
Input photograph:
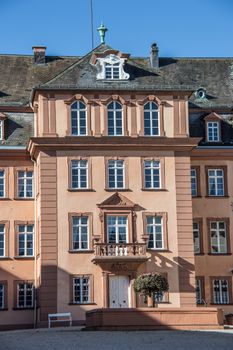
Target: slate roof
x=19 y=75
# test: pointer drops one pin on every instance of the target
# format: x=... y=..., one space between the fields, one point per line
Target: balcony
x=120 y=253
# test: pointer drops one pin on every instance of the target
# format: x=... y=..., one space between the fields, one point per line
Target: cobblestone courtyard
x=72 y=338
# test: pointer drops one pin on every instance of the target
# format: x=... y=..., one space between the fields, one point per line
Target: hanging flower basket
x=149 y=284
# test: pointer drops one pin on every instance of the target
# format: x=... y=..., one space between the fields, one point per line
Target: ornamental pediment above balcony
x=117 y=200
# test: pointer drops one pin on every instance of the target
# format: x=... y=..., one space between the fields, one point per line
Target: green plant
x=150 y=283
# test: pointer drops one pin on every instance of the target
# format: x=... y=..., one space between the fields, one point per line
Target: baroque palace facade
x=112 y=166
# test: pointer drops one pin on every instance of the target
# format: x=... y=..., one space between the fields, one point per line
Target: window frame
x=225 y=182
x=199 y=221
x=89 y=215
x=114 y=110
x=6 y=238
x=117 y=226
x=89 y=174
x=110 y=67
x=198 y=182
x=16 y=173
x=91 y=289
x=78 y=111
x=79 y=169
x=116 y=170
x=208 y=129
x=151 y=111
x=126 y=174
x=227 y=226
x=161 y=174
x=201 y=279
x=164 y=217
x=4 y=283
x=16 y=225
x=16 y=294
x=222 y=278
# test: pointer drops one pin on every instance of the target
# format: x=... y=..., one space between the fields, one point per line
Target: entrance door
x=119 y=291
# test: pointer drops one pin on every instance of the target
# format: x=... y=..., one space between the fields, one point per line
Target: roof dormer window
x=112 y=71
x=1 y=129
x=110 y=65
x=2 y=126
x=213 y=134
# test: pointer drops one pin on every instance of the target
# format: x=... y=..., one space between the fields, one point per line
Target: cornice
x=211 y=153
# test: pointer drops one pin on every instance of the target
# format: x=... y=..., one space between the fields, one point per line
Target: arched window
x=115 y=119
x=78 y=119
x=151 y=119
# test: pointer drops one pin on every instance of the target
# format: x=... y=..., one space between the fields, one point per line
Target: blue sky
x=180 y=27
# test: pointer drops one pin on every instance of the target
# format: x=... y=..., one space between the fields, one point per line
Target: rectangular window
x=117 y=229
x=80 y=233
x=194 y=182
x=116 y=174
x=2 y=183
x=159 y=297
x=112 y=71
x=2 y=296
x=199 y=291
x=196 y=237
x=81 y=290
x=25 y=184
x=26 y=240
x=216 y=182
x=221 y=291
x=1 y=129
x=152 y=174
x=79 y=174
x=2 y=240
x=155 y=232
x=25 y=295
x=218 y=237
x=213 y=132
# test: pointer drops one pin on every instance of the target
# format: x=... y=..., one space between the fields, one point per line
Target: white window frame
x=25 y=178
x=211 y=128
x=116 y=167
x=154 y=226
x=79 y=167
x=112 y=71
x=216 y=177
x=198 y=289
x=217 y=232
x=1 y=130
x=151 y=110
x=117 y=227
x=81 y=284
x=78 y=111
x=114 y=111
x=194 y=182
x=25 y=289
x=221 y=299
x=2 y=292
x=3 y=180
x=3 y=234
x=197 y=239
x=80 y=226
x=26 y=240
x=153 y=167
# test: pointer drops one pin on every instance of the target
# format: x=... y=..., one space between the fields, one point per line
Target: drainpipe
x=35 y=251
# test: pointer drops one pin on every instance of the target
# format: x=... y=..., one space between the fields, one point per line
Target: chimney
x=39 y=54
x=154 y=56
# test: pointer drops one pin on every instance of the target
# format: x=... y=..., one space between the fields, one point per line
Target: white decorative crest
x=111 y=60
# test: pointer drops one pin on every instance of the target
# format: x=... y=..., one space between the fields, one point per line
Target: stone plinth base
x=154 y=318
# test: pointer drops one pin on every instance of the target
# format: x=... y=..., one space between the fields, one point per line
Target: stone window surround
x=6 y=183
x=164 y=217
x=160 y=104
x=213 y=117
x=162 y=173
x=126 y=174
x=89 y=174
x=227 y=223
x=90 y=232
x=202 y=279
x=91 y=286
x=200 y=223
x=225 y=178
x=15 y=284
x=16 y=227
x=227 y=278
x=16 y=170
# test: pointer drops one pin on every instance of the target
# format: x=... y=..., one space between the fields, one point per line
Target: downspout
x=35 y=250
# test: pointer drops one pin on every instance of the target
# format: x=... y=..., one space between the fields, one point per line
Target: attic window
x=200 y=94
x=2 y=126
x=111 y=67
